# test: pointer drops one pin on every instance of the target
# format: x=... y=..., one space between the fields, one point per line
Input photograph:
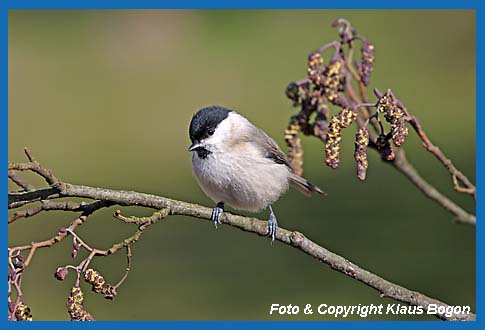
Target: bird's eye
x=210 y=131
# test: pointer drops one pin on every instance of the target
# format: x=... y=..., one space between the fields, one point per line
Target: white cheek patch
x=225 y=133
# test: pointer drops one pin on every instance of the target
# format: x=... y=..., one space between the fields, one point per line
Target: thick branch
x=295 y=239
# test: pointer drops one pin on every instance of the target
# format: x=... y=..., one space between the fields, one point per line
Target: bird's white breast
x=238 y=182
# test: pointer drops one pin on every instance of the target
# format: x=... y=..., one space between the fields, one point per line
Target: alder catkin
x=367 y=65
x=295 y=149
x=94 y=278
x=75 y=306
x=395 y=116
x=22 y=312
x=334 y=136
x=360 y=154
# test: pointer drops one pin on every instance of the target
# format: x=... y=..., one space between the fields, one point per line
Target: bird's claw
x=272 y=227
x=216 y=215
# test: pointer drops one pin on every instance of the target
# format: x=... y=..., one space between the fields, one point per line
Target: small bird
x=237 y=164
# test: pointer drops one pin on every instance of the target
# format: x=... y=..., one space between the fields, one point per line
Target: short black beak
x=194 y=145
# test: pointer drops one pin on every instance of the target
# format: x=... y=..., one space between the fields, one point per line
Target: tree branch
x=293 y=238
x=47 y=205
x=405 y=167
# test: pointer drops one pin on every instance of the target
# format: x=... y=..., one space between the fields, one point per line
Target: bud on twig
x=61 y=273
x=75 y=248
x=18 y=261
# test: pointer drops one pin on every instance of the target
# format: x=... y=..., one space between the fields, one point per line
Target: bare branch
x=47 y=205
x=456 y=175
x=16 y=200
x=12 y=175
x=259 y=227
x=36 y=168
x=128 y=266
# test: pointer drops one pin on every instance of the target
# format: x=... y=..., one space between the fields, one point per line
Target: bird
x=237 y=164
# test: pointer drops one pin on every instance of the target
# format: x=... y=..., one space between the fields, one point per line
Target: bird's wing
x=268 y=146
x=270 y=149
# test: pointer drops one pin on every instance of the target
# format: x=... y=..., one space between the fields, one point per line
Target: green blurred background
x=104 y=98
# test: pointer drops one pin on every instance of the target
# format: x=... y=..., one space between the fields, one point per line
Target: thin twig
x=143 y=223
x=47 y=205
x=128 y=267
x=457 y=176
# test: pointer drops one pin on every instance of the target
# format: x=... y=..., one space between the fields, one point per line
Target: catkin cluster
x=75 y=306
x=323 y=86
x=329 y=85
x=360 y=154
x=395 y=116
x=334 y=136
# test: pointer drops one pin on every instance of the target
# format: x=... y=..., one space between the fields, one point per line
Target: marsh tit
x=237 y=164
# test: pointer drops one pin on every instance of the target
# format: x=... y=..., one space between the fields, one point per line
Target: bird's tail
x=304 y=185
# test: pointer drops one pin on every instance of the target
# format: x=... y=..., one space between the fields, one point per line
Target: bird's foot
x=217 y=213
x=272 y=226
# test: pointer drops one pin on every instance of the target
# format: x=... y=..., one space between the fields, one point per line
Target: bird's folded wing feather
x=268 y=146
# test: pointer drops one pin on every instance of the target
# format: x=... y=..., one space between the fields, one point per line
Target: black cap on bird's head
x=204 y=122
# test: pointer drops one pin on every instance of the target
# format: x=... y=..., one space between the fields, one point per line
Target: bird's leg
x=272 y=224
x=217 y=213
